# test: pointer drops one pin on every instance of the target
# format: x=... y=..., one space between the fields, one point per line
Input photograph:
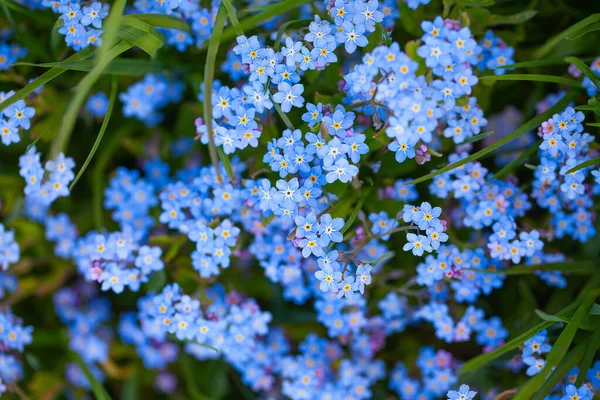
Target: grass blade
x=513 y=19
x=533 y=78
x=97 y=388
x=162 y=21
x=535 y=63
x=122 y=67
x=592 y=347
x=147 y=42
x=479 y=137
x=355 y=212
x=44 y=78
x=226 y=163
x=109 y=34
x=233 y=17
x=99 y=173
x=267 y=13
x=559 y=350
x=571 y=267
x=590 y=28
x=585 y=164
x=111 y=104
x=516 y=162
x=209 y=76
x=585 y=69
x=82 y=89
x=569 y=32
x=528 y=126
x=283 y=27
x=561 y=370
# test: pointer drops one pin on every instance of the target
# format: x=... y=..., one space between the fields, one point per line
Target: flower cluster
x=81 y=24
x=144 y=99
x=14 y=336
x=41 y=192
x=9 y=53
x=533 y=351
x=13 y=119
x=558 y=189
x=84 y=314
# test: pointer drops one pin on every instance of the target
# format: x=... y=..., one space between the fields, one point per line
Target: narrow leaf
x=162 y=21
x=533 y=78
x=123 y=67
x=99 y=392
x=529 y=125
x=561 y=371
x=590 y=28
x=479 y=137
x=571 y=267
x=585 y=164
x=569 y=32
x=558 y=352
x=44 y=78
x=592 y=76
x=590 y=353
x=209 y=75
x=266 y=13
x=513 y=19
x=233 y=17
x=356 y=210
x=83 y=88
x=110 y=27
x=226 y=163
x=516 y=162
x=535 y=63
x=144 y=40
x=549 y=317
x=113 y=96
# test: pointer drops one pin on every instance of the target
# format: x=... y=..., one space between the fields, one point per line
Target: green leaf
x=110 y=27
x=120 y=66
x=113 y=96
x=516 y=162
x=528 y=126
x=41 y=17
x=185 y=363
x=209 y=75
x=513 y=19
x=585 y=69
x=267 y=13
x=479 y=137
x=483 y=359
x=99 y=173
x=162 y=21
x=82 y=89
x=479 y=3
x=590 y=28
x=284 y=26
x=571 y=267
x=559 y=350
x=549 y=317
x=574 y=29
x=588 y=358
x=533 y=78
x=585 y=164
x=356 y=210
x=131 y=388
x=283 y=116
x=44 y=78
x=561 y=371
x=595 y=125
x=99 y=392
x=147 y=42
x=535 y=63
x=595 y=310
x=233 y=17
x=226 y=163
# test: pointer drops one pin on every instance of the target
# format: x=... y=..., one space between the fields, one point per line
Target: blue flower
x=289 y=96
